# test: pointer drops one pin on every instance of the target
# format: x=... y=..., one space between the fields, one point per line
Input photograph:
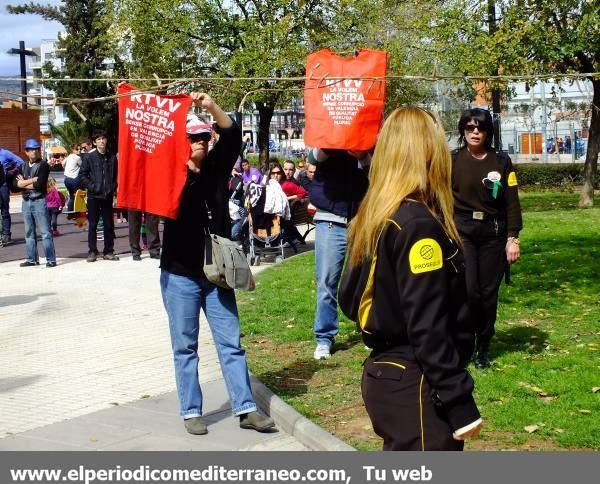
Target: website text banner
x=304 y=467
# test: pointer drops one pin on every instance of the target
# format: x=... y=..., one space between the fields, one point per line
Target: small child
x=55 y=204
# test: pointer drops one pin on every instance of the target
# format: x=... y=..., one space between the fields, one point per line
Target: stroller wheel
x=278 y=259
x=257 y=260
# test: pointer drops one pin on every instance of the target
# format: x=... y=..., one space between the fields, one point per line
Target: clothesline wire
x=215 y=82
x=432 y=78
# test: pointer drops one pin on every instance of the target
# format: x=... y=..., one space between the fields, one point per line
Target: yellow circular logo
x=425 y=255
x=426 y=252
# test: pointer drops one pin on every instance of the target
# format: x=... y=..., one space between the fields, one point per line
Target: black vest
x=30 y=172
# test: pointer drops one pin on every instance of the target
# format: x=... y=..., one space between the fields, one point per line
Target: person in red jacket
x=295 y=194
x=291 y=189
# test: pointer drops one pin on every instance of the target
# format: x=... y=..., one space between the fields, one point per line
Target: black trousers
x=402 y=411
x=484 y=249
x=53 y=217
x=97 y=207
x=135 y=224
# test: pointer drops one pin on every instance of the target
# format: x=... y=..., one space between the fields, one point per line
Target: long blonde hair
x=411 y=159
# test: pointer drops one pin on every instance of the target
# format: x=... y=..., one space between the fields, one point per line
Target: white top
x=72 y=164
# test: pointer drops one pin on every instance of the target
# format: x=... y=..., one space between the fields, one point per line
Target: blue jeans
x=183 y=297
x=4 y=206
x=35 y=216
x=72 y=185
x=330 y=250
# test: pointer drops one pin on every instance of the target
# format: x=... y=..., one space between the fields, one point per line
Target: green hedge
x=535 y=175
x=530 y=175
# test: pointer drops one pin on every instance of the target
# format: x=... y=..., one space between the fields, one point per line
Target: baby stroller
x=265 y=238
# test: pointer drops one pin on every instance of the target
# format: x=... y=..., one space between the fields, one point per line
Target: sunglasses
x=469 y=128
x=199 y=137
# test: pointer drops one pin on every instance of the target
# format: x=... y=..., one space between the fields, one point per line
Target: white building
x=51 y=114
x=539 y=115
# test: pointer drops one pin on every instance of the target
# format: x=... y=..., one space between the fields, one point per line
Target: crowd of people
x=411 y=242
x=89 y=166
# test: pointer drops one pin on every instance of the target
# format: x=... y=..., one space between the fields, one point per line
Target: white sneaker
x=322 y=352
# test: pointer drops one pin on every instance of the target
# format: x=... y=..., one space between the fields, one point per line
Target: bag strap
x=209 y=228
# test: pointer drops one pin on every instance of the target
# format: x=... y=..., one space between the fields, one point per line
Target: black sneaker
x=256 y=421
x=154 y=256
x=137 y=257
x=195 y=426
x=92 y=258
x=50 y=264
x=29 y=263
x=110 y=256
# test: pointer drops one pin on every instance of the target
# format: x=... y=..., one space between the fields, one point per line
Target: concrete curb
x=290 y=421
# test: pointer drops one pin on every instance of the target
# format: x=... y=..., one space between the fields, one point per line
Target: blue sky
x=30 y=28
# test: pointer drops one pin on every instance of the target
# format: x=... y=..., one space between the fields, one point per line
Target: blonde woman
x=404 y=285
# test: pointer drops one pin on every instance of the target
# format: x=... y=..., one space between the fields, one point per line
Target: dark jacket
x=183 y=238
x=98 y=175
x=339 y=185
x=41 y=170
x=410 y=298
x=470 y=195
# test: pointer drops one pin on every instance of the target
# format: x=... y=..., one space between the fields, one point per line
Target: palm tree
x=69 y=133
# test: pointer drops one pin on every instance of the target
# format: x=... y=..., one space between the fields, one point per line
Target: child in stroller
x=267 y=207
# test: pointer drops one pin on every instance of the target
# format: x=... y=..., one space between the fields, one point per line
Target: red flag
x=344 y=113
x=153 y=151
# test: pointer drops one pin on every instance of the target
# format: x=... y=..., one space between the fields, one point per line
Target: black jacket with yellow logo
x=411 y=298
x=472 y=195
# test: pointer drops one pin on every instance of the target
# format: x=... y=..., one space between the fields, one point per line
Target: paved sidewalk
x=87 y=364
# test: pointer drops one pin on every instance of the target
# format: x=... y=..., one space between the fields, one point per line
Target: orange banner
x=153 y=151
x=344 y=99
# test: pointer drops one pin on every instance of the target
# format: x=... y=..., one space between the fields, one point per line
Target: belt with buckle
x=473 y=215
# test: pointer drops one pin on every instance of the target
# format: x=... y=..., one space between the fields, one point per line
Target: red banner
x=344 y=99
x=153 y=151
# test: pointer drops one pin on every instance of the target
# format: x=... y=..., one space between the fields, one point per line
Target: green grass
x=536 y=201
x=546 y=349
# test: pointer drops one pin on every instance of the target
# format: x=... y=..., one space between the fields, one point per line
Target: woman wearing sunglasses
x=403 y=284
x=488 y=218
x=295 y=194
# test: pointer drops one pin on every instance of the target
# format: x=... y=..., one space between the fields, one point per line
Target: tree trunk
x=586 y=198
x=265 y=114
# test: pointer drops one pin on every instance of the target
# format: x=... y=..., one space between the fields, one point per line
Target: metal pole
x=544 y=121
x=23 y=74
x=495 y=91
x=572 y=135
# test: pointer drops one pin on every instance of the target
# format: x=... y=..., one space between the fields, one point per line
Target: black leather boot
x=482 y=358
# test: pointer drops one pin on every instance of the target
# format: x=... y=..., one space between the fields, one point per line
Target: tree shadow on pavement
x=8 y=384
x=22 y=299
